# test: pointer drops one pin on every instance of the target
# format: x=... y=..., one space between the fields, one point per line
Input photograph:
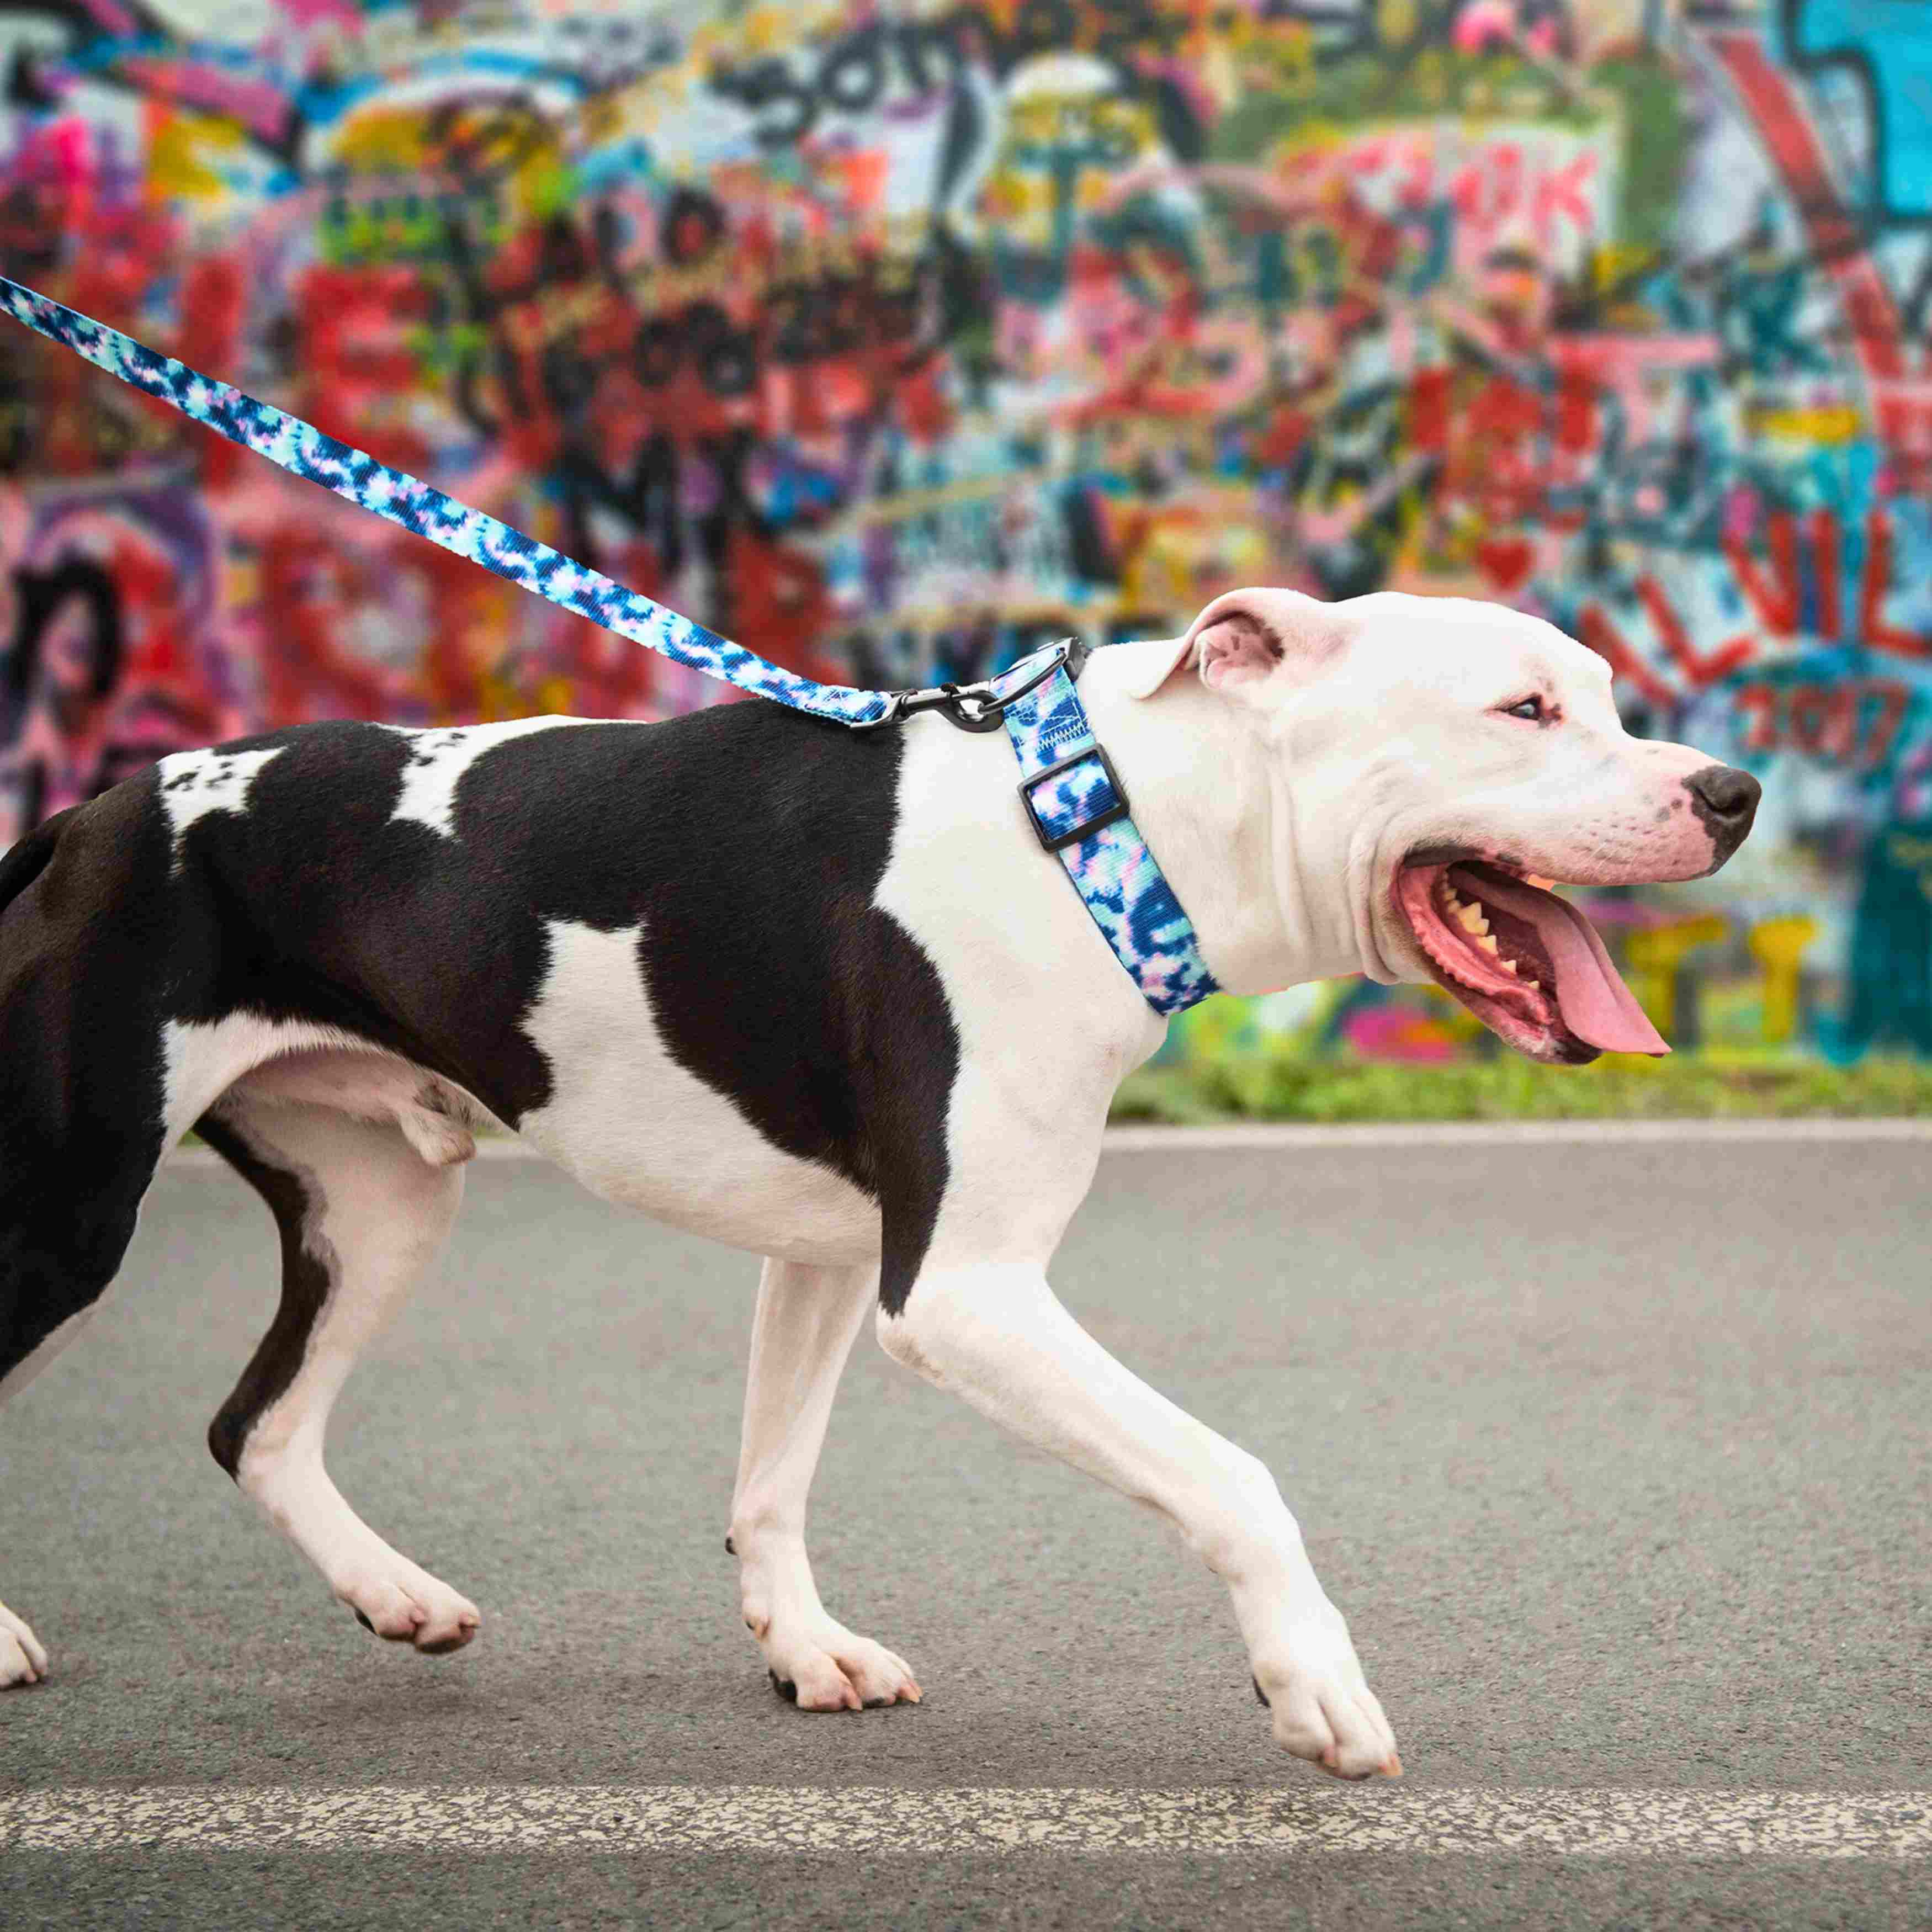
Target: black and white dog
x=816 y=993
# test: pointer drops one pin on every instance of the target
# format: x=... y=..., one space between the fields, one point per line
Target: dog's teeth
x=1535 y=984
x=1507 y=965
x=1471 y=919
x=1488 y=942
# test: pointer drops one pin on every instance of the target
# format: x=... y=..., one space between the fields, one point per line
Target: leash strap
x=412 y=504
x=1079 y=810
x=1073 y=798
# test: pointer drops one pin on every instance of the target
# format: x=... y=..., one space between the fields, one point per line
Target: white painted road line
x=1558 y=1823
x=1263 y=1136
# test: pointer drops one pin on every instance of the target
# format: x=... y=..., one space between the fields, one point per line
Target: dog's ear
x=1243 y=638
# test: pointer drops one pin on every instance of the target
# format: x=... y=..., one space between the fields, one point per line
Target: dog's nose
x=1725 y=800
x=1726 y=795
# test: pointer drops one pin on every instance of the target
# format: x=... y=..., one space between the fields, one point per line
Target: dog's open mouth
x=1526 y=963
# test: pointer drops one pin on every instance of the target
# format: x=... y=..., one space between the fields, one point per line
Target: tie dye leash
x=1074 y=801
x=412 y=504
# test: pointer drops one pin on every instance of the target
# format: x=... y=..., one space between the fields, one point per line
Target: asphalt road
x=1616 y=1457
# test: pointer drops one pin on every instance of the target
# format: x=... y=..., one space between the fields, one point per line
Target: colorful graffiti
x=893 y=341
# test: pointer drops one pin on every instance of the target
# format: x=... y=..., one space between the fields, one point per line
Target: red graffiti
x=1855 y=723
x=1774 y=588
x=1771 y=98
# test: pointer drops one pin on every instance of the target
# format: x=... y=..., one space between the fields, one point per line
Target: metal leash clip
x=981 y=706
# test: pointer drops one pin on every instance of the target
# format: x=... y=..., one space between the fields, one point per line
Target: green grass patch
x=1261 y=1086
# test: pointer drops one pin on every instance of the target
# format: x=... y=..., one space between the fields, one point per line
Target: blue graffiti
x=1888 y=45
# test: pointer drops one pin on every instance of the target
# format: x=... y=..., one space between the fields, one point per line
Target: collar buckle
x=1052 y=841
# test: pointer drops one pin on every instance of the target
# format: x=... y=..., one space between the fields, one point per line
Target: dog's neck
x=1212 y=797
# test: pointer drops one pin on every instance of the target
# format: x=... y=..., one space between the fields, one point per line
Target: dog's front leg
x=806 y=1320
x=996 y=1333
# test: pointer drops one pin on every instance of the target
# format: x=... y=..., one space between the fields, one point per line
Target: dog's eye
x=1531 y=708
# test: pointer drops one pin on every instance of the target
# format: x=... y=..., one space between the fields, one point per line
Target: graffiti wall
x=892 y=339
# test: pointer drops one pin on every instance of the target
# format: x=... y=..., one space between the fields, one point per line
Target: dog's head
x=1439 y=763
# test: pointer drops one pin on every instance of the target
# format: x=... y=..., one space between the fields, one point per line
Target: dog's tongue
x=1596 y=1005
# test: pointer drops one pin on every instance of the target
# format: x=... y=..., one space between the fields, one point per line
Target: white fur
x=1280 y=804
x=193 y=784
x=23 y=1658
x=634 y=1126
x=379 y=1214
x=203 y=1058
x=436 y=1116
x=1281 y=807
x=439 y=758
x=806 y=1324
x=1048 y=1024
x=995 y=1334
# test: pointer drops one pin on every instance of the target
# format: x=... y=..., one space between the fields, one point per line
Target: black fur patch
x=748 y=841
x=305 y=1286
x=24 y=861
x=86 y=916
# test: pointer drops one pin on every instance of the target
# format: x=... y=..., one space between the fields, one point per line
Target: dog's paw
x=407 y=1605
x=1323 y=1710
x=23 y=1658
x=824 y=1667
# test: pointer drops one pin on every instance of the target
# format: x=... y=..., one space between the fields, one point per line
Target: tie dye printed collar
x=1079 y=809
x=1072 y=798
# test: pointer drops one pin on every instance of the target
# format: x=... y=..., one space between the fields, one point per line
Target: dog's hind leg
x=361 y=1214
x=806 y=1320
x=53 y=1294
x=23 y=1659
x=59 y=1249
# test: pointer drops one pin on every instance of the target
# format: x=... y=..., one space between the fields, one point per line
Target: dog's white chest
x=631 y=1123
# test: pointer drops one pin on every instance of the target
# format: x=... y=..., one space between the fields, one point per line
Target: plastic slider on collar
x=1057 y=838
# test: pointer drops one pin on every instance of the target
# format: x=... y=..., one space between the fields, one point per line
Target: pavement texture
x=1616 y=1457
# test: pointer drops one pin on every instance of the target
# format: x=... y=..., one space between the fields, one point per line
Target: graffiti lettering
x=895 y=341
x=1854 y=725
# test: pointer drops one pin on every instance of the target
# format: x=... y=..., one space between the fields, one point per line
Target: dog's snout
x=1726 y=792
x=1726 y=800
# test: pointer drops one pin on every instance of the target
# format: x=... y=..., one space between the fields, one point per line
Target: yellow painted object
x=1657 y=957
x=1778 y=946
